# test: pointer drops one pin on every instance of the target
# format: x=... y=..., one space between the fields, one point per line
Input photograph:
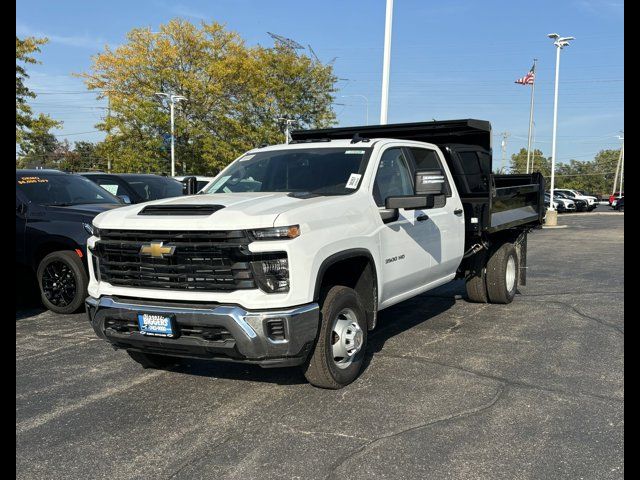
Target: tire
x=342 y=323
x=502 y=274
x=152 y=360
x=476 y=280
x=63 y=281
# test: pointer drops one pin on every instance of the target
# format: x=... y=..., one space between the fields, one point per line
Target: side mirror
x=21 y=208
x=124 y=198
x=430 y=182
x=409 y=202
x=190 y=185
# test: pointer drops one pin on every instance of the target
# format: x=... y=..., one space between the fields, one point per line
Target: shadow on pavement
x=28 y=301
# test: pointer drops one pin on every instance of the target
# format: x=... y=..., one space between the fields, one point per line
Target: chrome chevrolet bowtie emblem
x=156 y=250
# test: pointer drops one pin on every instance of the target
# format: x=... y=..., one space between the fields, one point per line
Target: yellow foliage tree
x=234 y=96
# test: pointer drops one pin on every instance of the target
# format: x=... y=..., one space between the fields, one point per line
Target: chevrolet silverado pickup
x=289 y=254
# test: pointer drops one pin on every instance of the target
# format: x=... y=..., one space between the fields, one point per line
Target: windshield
x=321 y=171
x=61 y=189
x=154 y=188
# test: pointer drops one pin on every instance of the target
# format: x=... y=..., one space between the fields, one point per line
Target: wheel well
x=357 y=272
x=49 y=247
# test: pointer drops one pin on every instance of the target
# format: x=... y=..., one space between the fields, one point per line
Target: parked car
x=579 y=205
x=615 y=196
x=137 y=187
x=200 y=180
x=618 y=204
x=561 y=204
x=294 y=249
x=592 y=202
x=54 y=211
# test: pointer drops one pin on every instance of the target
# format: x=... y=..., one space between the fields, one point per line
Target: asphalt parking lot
x=452 y=390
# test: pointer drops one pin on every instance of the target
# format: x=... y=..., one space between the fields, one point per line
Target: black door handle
x=458 y=211
x=422 y=218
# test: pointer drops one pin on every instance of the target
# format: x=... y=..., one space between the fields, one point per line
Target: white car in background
x=592 y=202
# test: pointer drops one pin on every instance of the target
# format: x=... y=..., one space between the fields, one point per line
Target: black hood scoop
x=180 y=210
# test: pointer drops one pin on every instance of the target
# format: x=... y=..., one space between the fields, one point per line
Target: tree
x=235 y=94
x=25 y=122
x=594 y=176
x=540 y=162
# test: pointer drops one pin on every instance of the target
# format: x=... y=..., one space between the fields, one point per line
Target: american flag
x=529 y=77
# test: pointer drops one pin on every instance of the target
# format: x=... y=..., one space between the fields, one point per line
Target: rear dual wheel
x=494 y=276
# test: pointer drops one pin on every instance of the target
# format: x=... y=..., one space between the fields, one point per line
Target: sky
x=453 y=59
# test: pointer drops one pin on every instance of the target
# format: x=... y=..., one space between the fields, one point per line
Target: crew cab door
x=442 y=237
x=403 y=259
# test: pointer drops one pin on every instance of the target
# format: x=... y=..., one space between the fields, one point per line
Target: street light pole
x=560 y=43
x=384 y=101
x=173 y=99
x=366 y=104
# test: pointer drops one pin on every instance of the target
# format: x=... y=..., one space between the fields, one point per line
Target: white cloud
x=79 y=41
x=185 y=11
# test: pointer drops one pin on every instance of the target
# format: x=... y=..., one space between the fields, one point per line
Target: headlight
x=272 y=276
x=276 y=233
x=88 y=228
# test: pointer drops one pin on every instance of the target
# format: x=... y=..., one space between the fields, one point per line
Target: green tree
x=593 y=176
x=235 y=94
x=540 y=162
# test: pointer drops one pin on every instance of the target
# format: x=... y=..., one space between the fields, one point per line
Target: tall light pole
x=366 y=104
x=560 y=43
x=384 y=101
x=173 y=99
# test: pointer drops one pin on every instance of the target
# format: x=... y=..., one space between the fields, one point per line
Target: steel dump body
x=492 y=202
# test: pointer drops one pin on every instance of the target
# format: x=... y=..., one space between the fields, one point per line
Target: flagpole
x=533 y=89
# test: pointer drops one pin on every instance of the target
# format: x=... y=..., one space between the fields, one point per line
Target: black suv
x=54 y=211
x=137 y=187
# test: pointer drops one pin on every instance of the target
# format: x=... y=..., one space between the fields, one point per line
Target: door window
x=393 y=177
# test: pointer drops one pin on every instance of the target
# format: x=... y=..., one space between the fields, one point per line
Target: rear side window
x=473 y=168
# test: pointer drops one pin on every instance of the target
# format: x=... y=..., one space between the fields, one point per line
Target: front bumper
x=220 y=332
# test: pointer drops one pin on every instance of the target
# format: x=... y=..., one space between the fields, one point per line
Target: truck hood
x=235 y=211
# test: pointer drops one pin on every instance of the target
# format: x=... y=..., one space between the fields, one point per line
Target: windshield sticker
x=246 y=157
x=112 y=189
x=354 y=152
x=25 y=180
x=353 y=181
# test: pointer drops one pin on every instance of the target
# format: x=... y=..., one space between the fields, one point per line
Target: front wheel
x=502 y=274
x=63 y=281
x=337 y=357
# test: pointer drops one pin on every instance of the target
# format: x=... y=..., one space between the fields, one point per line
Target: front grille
x=204 y=261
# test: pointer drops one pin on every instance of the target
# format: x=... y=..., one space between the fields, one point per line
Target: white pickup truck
x=288 y=255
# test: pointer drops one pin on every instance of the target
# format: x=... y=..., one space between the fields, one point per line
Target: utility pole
x=173 y=99
x=533 y=89
x=560 y=43
x=618 y=170
x=384 y=101
x=108 y=129
x=504 y=136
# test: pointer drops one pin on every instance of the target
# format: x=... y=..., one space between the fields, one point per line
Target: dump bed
x=491 y=202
